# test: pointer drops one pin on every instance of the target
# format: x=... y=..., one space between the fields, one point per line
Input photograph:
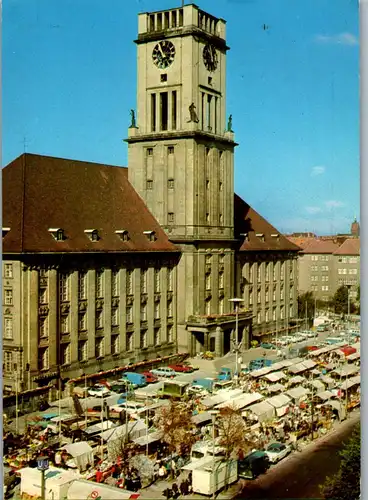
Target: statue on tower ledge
x=132 y=117
x=193 y=114
x=230 y=124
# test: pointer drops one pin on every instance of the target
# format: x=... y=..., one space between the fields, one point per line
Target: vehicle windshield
x=197 y=454
x=274 y=447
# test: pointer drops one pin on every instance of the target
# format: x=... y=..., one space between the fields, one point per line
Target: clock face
x=210 y=57
x=163 y=54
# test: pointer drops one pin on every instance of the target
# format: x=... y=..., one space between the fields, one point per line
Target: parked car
x=119 y=387
x=181 y=368
x=253 y=465
x=277 y=451
x=165 y=371
x=225 y=374
x=136 y=379
x=268 y=345
x=99 y=391
x=150 y=378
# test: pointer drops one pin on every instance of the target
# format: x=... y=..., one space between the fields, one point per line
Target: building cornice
x=185 y=134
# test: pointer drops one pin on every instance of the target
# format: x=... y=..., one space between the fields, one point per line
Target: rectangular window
x=143 y=280
x=221 y=219
x=250 y=296
x=157 y=275
x=208 y=281
x=8 y=297
x=99 y=347
x=170 y=334
x=221 y=305
x=209 y=113
x=170 y=217
x=220 y=186
x=115 y=283
x=65 y=354
x=115 y=344
x=259 y=317
x=43 y=358
x=143 y=312
x=267 y=295
x=129 y=341
x=163 y=110
x=202 y=111
x=353 y=260
x=99 y=284
x=274 y=294
x=8 y=271
x=149 y=151
x=173 y=109
x=170 y=280
x=82 y=288
x=149 y=185
x=170 y=150
x=169 y=309
x=143 y=339
x=267 y=316
x=274 y=272
x=8 y=362
x=64 y=323
x=208 y=307
x=291 y=293
x=42 y=296
x=99 y=319
x=281 y=313
x=8 y=327
x=259 y=296
x=129 y=314
x=267 y=271
x=207 y=185
x=282 y=293
x=83 y=350
x=216 y=104
x=221 y=280
x=64 y=287
x=153 y=113
x=129 y=282
x=157 y=336
x=82 y=322
x=274 y=314
x=170 y=183
x=43 y=330
x=282 y=271
x=114 y=316
x=259 y=273
x=157 y=310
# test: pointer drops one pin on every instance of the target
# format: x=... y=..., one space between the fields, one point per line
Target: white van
x=202 y=449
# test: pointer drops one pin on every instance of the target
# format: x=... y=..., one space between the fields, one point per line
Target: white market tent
x=302 y=367
x=276 y=388
x=57 y=482
x=280 y=402
x=336 y=405
x=241 y=401
x=298 y=379
x=326 y=349
x=151 y=437
x=81 y=452
x=221 y=397
x=298 y=392
x=87 y=489
x=100 y=426
x=348 y=384
x=263 y=411
x=261 y=371
x=347 y=370
x=275 y=376
x=324 y=395
x=354 y=356
x=329 y=381
x=135 y=429
x=317 y=384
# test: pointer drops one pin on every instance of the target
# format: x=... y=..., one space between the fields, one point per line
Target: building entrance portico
x=217 y=333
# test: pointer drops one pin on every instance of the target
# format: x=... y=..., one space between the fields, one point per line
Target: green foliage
x=306 y=305
x=340 y=301
x=346 y=484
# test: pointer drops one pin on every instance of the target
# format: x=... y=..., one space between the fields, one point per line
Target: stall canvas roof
x=276 y=387
x=326 y=379
x=324 y=395
x=356 y=346
x=261 y=408
x=87 y=489
x=327 y=348
x=275 y=376
x=347 y=370
x=297 y=392
x=318 y=385
x=120 y=431
x=298 y=379
x=201 y=417
x=262 y=371
x=347 y=384
x=151 y=437
x=348 y=350
x=242 y=401
x=353 y=356
x=101 y=426
x=77 y=449
x=278 y=401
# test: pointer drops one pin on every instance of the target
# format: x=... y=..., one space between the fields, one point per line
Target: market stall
x=298 y=379
x=298 y=393
x=261 y=411
x=281 y=404
x=242 y=401
x=275 y=376
x=57 y=482
x=81 y=455
x=275 y=388
x=86 y=490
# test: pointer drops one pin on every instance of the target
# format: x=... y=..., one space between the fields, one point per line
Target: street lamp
x=236 y=301
x=213 y=414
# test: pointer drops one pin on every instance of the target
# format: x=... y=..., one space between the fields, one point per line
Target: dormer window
x=57 y=233
x=5 y=231
x=276 y=235
x=246 y=236
x=260 y=236
x=123 y=234
x=151 y=235
x=92 y=234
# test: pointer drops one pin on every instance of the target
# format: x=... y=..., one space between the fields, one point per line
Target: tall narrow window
x=173 y=19
x=216 y=103
x=99 y=284
x=153 y=112
x=82 y=288
x=209 y=116
x=64 y=287
x=202 y=111
x=163 y=110
x=129 y=282
x=115 y=283
x=173 y=110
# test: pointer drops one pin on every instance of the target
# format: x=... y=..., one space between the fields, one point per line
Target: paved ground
x=300 y=475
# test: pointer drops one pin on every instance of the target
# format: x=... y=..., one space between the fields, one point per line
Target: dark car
x=253 y=465
x=267 y=345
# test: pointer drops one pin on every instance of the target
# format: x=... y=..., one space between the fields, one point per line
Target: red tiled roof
x=74 y=196
x=301 y=241
x=320 y=246
x=350 y=246
x=260 y=234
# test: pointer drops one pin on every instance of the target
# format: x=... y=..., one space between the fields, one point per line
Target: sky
x=69 y=80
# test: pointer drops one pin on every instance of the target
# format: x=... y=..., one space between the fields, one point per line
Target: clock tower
x=181 y=148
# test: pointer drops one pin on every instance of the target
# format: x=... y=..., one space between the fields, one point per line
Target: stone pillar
x=74 y=327
x=246 y=340
x=53 y=318
x=33 y=323
x=206 y=341
x=219 y=342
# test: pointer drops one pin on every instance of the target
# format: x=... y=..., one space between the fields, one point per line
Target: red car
x=150 y=378
x=182 y=368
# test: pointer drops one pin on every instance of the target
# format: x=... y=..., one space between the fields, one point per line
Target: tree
x=175 y=423
x=340 y=301
x=346 y=484
x=232 y=431
x=306 y=305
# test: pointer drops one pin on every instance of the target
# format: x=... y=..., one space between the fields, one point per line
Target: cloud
x=319 y=170
x=313 y=210
x=339 y=39
x=331 y=204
